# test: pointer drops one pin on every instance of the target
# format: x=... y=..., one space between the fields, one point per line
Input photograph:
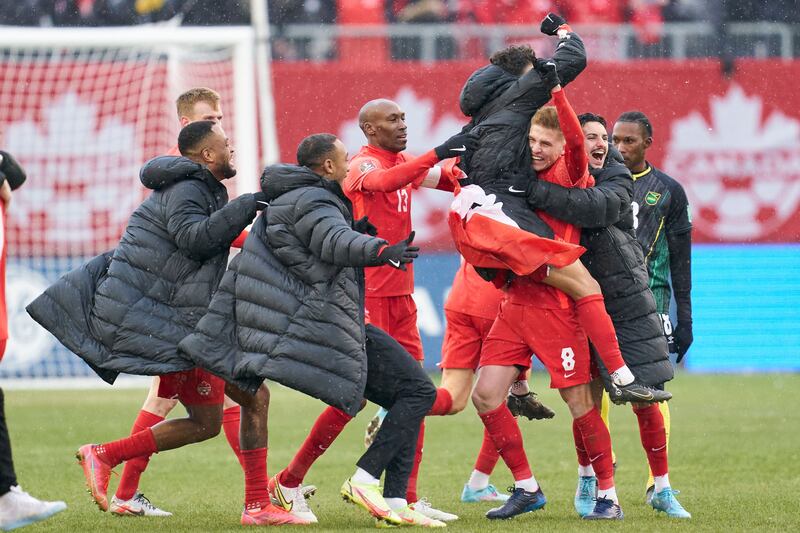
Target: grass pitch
x=734 y=454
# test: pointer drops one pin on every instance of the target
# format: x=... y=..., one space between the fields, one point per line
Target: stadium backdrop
x=733 y=142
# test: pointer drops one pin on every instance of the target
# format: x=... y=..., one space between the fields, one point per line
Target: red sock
x=580 y=448
x=487 y=456
x=132 y=472
x=654 y=438
x=411 y=491
x=597 y=442
x=325 y=430
x=140 y=443
x=255 y=478
x=443 y=403
x=594 y=320
x=504 y=431
x=231 y=417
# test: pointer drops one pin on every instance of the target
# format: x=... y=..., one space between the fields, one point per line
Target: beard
x=227 y=170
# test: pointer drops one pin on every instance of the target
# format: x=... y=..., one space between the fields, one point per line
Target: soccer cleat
x=487 y=494
x=665 y=502
x=423 y=506
x=269 y=515
x=637 y=392
x=290 y=499
x=411 y=517
x=605 y=509
x=373 y=426
x=308 y=491
x=96 y=473
x=369 y=498
x=521 y=501
x=529 y=407
x=585 y=495
x=648 y=494
x=19 y=509
x=139 y=505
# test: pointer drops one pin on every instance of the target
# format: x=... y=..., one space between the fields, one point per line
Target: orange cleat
x=96 y=473
x=270 y=515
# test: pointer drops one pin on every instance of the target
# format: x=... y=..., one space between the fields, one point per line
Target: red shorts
x=554 y=335
x=192 y=387
x=463 y=338
x=397 y=316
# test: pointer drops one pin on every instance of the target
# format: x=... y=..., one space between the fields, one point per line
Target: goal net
x=82 y=110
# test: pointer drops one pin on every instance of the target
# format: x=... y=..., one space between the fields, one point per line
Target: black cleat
x=605 y=509
x=637 y=392
x=529 y=407
x=521 y=501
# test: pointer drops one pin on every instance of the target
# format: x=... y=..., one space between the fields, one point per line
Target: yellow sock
x=664 y=408
x=604 y=412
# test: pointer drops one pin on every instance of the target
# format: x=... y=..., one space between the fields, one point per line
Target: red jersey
x=385 y=198
x=571 y=169
x=472 y=295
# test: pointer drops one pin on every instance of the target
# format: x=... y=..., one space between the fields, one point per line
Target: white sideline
x=124 y=382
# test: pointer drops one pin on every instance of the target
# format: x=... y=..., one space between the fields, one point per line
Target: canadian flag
x=486 y=237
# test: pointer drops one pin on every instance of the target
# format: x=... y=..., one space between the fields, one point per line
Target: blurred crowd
x=645 y=16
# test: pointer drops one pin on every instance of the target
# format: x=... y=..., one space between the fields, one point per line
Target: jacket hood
x=483 y=86
x=163 y=171
x=277 y=180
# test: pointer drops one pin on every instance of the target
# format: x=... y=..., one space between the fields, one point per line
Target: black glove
x=363 y=225
x=518 y=183
x=683 y=339
x=261 y=200
x=398 y=255
x=551 y=23
x=548 y=71
x=11 y=171
x=456 y=145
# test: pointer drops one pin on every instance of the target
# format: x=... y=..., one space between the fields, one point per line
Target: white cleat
x=422 y=506
x=18 y=509
x=139 y=505
x=291 y=499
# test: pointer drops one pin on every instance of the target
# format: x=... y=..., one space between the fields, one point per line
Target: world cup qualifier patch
x=366 y=166
x=652 y=198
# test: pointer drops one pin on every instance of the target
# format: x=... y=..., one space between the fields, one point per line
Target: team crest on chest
x=652 y=198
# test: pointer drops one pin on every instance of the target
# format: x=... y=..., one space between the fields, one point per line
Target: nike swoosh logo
x=658 y=449
x=462 y=149
x=282 y=500
x=570 y=374
x=593 y=459
x=394 y=263
x=512 y=189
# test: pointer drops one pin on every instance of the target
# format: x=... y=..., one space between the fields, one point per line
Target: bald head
x=384 y=124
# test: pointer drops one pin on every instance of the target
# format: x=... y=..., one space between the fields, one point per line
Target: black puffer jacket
x=150 y=293
x=291 y=305
x=501 y=106
x=614 y=258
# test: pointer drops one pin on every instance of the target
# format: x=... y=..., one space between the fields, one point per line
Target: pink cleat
x=96 y=473
x=270 y=515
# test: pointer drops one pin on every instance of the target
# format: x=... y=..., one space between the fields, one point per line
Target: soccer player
x=541 y=319
x=127 y=310
x=614 y=258
x=291 y=309
x=664 y=229
x=17 y=507
x=199 y=103
x=498 y=97
x=470 y=310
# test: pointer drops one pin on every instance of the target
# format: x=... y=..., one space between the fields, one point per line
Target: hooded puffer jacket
x=290 y=308
x=126 y=311
x=614 y=258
